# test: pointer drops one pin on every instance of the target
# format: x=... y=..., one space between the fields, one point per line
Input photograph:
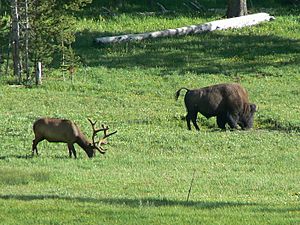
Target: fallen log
x=236 y=22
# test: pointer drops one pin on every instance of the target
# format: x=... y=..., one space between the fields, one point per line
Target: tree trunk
x=16 y=39
x=26 y=53
x=118 y=3
x=38 y=74
x=236 y=8
x=224 y=24
x=150 y=4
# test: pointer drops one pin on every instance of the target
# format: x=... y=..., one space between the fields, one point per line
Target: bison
x=228 y=102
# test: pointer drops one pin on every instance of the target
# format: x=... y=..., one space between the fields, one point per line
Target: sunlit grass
x=241 y=177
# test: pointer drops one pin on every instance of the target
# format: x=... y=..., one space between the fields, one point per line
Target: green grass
x=241 y=177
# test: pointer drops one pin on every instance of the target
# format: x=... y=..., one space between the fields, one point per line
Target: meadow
x=240 y=177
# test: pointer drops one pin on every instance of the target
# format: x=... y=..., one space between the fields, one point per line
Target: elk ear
x=253 y=108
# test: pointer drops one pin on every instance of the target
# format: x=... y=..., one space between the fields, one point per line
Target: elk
x=66 y=131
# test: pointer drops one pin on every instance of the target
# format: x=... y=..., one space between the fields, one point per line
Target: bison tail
x=178 y=92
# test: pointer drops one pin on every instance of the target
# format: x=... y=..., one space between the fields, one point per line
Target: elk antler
x=103 y=141
x=95 y=131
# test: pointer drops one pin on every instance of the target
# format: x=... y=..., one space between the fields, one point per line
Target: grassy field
x=241 y=177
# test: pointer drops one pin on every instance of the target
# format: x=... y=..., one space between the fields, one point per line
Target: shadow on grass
x=204 y=53
x=150 y=202
x=272 y=124
x=110 y=9
x=27 y=156
x=269 y=124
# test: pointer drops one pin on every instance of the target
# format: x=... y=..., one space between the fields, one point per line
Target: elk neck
x=82 y=141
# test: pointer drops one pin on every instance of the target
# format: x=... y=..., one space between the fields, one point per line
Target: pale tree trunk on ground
x=237 y=22
x=236 y=8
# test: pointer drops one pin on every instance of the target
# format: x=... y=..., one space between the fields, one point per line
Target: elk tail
x=178 y=92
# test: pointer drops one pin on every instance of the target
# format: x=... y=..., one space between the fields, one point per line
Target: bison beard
x=228 y=102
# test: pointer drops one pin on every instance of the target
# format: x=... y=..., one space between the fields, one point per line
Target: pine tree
x=49 y=29
x=4 y=33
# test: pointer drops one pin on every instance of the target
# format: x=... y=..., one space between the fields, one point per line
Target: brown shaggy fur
x=228 y=102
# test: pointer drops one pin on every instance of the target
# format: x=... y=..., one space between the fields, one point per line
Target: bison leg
x=194 y=120
x=192 y=116
x=221 y=121
x=72 y=150
x=188 y=121
x=232 y=121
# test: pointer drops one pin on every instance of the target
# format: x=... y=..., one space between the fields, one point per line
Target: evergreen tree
x=53 y=27
x=4 y=32
x=50 y=25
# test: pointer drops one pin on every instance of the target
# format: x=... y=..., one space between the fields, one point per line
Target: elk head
x=98 y=144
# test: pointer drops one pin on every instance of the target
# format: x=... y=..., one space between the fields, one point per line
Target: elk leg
x=72 y=150
x=34 y=145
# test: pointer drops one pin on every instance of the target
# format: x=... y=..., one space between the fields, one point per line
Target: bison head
x=246 y=119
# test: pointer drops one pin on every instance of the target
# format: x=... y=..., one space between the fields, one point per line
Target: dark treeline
x=142 y=5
